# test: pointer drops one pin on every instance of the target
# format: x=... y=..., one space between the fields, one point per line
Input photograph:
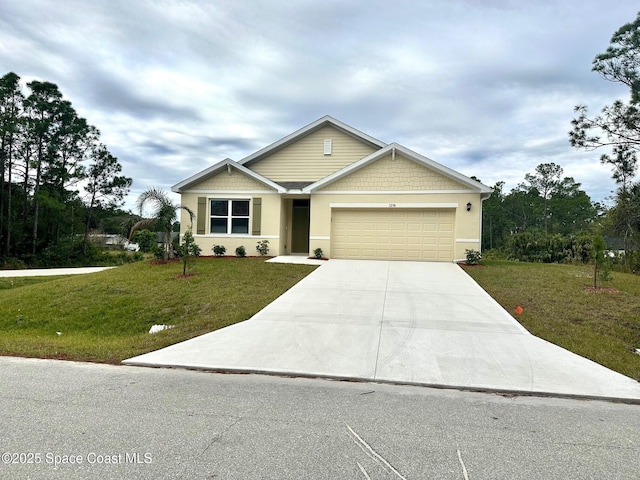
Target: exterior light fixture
x=468 y=206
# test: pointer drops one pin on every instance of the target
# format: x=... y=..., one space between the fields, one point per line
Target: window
x=229 y=216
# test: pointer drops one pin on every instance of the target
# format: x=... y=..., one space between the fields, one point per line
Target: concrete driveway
x=399 y=322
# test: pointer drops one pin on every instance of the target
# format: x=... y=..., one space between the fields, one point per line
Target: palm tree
x=164 y=215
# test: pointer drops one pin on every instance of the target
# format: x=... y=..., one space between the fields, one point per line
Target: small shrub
x=473 y=257
x=159 y=253
x=318 y=253
x=263 y=247
x=219 y=250
x=241 y=252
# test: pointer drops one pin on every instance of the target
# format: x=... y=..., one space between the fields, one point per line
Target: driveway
x=398 y=322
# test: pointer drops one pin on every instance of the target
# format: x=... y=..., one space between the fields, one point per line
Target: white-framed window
x=229 y=216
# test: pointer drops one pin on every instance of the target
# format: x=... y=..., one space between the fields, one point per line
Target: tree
x=618 y=125
x=545 y=181
x=44 y=149
x=11 y=100
x=571 y=210
x=104 y=186
x=164 y=215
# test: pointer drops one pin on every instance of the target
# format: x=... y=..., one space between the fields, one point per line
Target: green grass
x=602 y=326
x=106 y=316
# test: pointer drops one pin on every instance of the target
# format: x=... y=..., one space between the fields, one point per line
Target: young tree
x=164 y=215
x=188 y=249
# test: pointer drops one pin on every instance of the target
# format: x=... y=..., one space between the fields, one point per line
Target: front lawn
x=559 y=306
x=106 y=316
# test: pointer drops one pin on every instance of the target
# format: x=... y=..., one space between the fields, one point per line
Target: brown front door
x=300 y=227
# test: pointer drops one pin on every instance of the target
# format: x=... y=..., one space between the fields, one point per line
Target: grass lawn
x=106 y=316
x=603 y=326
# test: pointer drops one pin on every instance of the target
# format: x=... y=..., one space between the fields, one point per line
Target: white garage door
x=393 y=234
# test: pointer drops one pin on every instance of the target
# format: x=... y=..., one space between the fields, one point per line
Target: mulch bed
x=591 y=289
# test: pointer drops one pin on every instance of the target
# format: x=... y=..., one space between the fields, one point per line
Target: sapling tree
x=188 y=250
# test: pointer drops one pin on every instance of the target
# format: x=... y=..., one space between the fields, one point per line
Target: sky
x=486 y=87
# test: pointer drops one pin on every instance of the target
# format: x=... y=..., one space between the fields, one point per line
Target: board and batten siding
x=304 y=160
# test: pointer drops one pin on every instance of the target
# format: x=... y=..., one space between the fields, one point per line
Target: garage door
x=393 y=234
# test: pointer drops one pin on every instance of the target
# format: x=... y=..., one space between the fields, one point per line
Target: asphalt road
x=71 y=420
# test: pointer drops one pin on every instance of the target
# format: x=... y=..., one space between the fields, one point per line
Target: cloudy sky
x=486 y=87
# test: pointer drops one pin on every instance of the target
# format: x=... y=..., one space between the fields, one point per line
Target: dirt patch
x=164 y=262
x=591 y=289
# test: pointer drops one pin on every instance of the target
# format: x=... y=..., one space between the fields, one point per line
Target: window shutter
x=257 y=216
x=201 y=216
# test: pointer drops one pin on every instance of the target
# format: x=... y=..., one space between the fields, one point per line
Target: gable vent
x=327 y=146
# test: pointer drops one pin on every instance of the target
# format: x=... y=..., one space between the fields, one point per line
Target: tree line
x=545 y=205
x=548 y=217
x=57 y=179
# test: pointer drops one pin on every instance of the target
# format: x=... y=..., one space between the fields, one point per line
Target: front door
x=300 y=227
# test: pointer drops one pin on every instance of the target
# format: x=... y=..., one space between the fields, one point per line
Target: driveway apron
x=398 y=322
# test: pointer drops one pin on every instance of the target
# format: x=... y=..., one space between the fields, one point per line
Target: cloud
x=484 y=87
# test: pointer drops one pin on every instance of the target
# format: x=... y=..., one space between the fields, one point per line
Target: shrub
x=158 y=252
x=219 y=250
x=263 y=247
x=473 y=257
x=318 y=253
x=241 y=252
x=535 y=246
x=145 y=239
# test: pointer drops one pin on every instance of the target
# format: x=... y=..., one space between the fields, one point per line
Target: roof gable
x=304 y=131
x=306 y=158
x=199 y=178
x=437 y=177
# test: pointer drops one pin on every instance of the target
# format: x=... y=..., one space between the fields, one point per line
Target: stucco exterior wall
x=304 y=160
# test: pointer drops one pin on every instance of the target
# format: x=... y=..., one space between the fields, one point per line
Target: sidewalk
x=49 y=272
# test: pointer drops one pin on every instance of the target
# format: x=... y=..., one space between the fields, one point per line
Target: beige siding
x=304 y=160
x=386 y=174
x=393 y=234
x=235 y=180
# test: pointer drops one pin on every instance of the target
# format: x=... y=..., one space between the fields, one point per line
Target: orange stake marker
x=519 y=310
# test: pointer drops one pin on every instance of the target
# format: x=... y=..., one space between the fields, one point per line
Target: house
x=333 y=187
